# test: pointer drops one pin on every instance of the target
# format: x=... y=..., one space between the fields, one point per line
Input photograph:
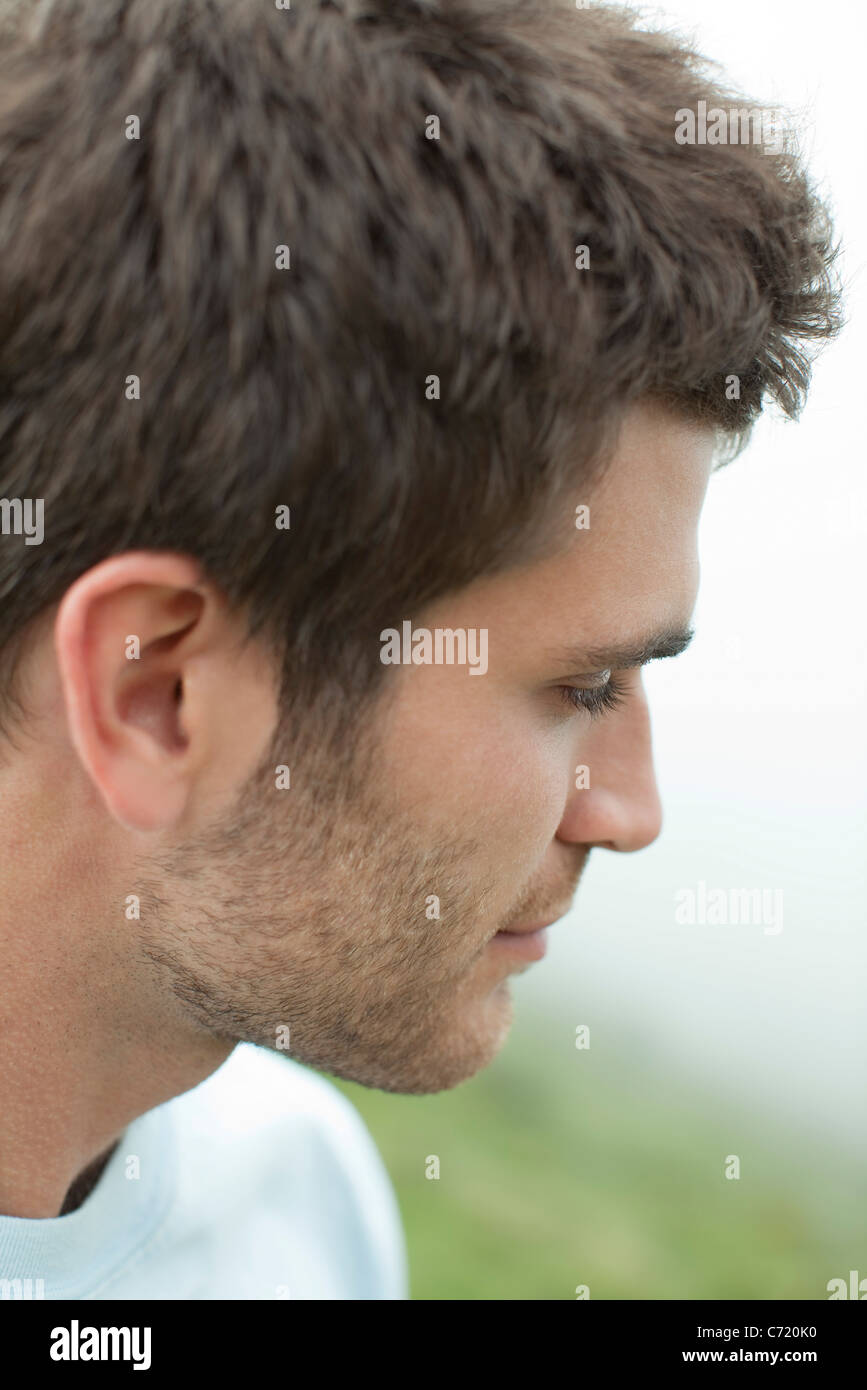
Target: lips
x=540 y=923
x=527 y=941
x=524 y=944
x=527 y=931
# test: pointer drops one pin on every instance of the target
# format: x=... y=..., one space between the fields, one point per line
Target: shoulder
x=282 y=1134
x=256 y=1088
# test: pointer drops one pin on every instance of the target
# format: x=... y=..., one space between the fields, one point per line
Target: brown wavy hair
x=409 y=258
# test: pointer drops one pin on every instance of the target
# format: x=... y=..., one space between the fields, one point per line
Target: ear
x=169 y=706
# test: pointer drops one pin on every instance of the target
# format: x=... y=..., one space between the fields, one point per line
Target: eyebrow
x=623 y=656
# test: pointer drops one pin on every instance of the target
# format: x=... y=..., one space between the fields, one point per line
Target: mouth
x=522 y=943
x=528 y=941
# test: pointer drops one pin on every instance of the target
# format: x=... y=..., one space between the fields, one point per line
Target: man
x=362 y=367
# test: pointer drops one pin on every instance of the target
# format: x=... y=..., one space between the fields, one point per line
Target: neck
x=89 y=1044
x=85 y=1183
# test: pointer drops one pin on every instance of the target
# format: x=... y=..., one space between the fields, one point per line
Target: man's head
x=324 y=267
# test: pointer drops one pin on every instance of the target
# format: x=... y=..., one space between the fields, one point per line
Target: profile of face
x=371 y=913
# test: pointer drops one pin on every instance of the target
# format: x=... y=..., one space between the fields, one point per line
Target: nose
x=618 y=808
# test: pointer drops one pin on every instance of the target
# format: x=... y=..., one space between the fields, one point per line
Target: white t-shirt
x=261 y=1183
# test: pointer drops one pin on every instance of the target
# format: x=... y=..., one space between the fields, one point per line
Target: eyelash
x=597 y=700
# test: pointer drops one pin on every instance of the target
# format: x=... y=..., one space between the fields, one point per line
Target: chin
x=446 y=1047
x=461 y=1047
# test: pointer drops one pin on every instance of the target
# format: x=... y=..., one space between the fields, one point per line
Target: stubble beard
x=334 y=953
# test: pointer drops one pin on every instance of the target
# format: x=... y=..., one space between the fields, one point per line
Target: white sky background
x=759 y=729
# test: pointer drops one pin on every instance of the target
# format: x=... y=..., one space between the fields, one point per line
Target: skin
x=305 y=908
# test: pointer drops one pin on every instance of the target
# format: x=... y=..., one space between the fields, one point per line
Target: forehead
x=640 y=545
x=633 y=568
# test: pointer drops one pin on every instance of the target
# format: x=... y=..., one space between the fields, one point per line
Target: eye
x=597 y=699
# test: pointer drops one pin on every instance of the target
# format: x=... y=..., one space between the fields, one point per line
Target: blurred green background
x=561 y=1167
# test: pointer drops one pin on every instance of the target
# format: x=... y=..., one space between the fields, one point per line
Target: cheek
x=527 y=793
x=501 y=783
